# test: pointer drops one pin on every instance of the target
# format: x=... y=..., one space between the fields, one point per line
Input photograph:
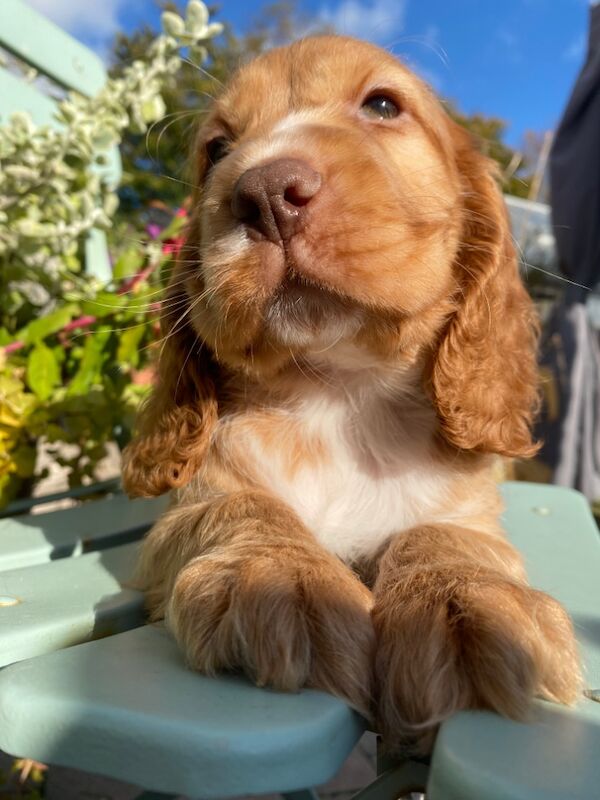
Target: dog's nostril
x=294 y=196
x=245 y=208
x=253 y=213
x=250 y=211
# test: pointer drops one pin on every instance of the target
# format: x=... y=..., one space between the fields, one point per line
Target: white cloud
x=95 y=21
x=576 y=50
x=510 y=44
x=376 y=20
x=507 y=38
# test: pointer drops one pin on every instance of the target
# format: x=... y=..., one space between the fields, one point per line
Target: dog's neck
x=346 y=373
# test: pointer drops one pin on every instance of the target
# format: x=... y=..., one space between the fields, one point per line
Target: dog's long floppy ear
x=484 y=375
x=176 y=421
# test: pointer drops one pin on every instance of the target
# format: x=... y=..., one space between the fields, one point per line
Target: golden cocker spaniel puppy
x=348 y=350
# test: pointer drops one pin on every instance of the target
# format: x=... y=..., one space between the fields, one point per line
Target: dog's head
x=337 y=202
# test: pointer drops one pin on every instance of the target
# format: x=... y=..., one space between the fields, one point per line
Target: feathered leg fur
x=244 y=585
x=458 y=627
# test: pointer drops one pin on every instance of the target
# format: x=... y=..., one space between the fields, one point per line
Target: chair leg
x=303 y=794
x=409 y=776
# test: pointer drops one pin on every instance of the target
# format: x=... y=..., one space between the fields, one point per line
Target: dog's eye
x=380 y=107
x=217 y=149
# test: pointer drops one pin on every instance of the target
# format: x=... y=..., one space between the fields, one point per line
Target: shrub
x=74 y=354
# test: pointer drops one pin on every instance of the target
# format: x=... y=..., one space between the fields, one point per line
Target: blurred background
x=76 y=342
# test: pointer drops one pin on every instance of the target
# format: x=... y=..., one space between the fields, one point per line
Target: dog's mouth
x=301 y=313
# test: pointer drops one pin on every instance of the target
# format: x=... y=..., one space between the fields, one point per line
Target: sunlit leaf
x=127 y=352
x=43 y=372
x=90 y=369
x=128 y=263
x=51 y=323
x=104 y=304
x=172 y=23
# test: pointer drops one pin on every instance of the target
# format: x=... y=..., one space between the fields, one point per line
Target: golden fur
x=329 y=411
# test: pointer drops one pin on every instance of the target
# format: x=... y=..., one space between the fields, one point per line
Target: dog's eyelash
x=217 y=149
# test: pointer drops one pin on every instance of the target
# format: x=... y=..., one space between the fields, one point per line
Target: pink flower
x=153 y=230
x=172 y=246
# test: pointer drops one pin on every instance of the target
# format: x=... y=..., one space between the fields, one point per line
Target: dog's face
x=330 y=201
x=337 y=202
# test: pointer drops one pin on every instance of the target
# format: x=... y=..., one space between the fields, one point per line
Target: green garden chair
x=91 y=686
x=65 y=64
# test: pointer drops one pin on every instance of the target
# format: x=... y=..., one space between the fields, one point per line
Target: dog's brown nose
x=273 y=198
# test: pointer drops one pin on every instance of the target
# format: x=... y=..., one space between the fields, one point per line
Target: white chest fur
x=379 y=475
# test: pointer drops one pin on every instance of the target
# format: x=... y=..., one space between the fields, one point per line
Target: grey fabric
x=578 y=462
x=575 y=173
x=570 y=356
x=569 y=425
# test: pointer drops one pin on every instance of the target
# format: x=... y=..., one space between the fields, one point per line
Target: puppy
x=348 y=349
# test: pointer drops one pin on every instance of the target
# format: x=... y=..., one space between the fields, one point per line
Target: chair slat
x=18 y=95
x=24 y=505
x=97 y=260
x=41 y=43
x=61 y=603
x=127 y=706
x=36 y=538
x=555 y=531
x=556 y=756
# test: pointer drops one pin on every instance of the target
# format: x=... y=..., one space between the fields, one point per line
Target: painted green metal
x=480 y=755
x=156 y=796
x=62 y=603
x=17 y=95
x=40 y=43
x=128 y=707
x=37 y=538
x=554 y=757
x=555 y=531
x=96 y=253
x=25 y=504
x=398 y=781
x=303 y=794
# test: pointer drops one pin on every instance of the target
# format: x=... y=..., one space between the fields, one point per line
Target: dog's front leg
x=458 y=627
x=244 y=585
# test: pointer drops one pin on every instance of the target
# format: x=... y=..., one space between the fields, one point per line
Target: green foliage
x=489 y=132
x=23 y=781
x=79 y=375
x=74 y=354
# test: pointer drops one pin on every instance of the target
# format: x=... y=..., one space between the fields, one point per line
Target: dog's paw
x=286 y=622
x=476 y=642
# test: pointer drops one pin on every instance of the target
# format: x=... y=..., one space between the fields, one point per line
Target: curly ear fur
x=484 y=375
x=175 y=423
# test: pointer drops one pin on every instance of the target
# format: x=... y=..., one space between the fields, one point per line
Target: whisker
x=181 y=371
x=166 y=127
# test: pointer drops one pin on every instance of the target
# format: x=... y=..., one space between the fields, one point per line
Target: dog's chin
x=305 y=316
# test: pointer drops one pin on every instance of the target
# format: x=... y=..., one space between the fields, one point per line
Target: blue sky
x=516 y=59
